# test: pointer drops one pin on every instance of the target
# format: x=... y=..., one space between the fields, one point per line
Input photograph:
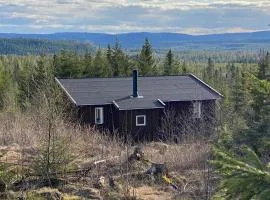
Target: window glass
x=197 y=109
x=140 y=120
x=99 y=115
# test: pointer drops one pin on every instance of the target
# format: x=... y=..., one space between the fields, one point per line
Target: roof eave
x=69 y=95
x=206 y=85
x=149 y=108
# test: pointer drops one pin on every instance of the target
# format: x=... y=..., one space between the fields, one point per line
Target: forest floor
x=107 y=173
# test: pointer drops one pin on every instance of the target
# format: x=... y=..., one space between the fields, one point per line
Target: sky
x=121 y=16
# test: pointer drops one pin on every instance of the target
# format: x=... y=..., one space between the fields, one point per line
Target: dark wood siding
x=124 y=121
x=86 y=115
x=147 y=132
x=203 y=126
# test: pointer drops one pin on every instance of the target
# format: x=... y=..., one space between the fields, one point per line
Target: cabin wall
x=128 y=123
x=209 y=121
x=86 y=115
x=181 y=108
x=124 y=121
x=183 y=114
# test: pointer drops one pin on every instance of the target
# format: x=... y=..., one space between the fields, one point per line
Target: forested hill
x=231 y=41
x=23 y=46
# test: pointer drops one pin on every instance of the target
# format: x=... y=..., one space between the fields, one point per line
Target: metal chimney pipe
x=135 y=83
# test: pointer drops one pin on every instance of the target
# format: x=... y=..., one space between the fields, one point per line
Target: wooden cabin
x=137 y=106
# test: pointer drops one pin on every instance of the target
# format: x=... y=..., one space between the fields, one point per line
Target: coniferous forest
x=233 y=163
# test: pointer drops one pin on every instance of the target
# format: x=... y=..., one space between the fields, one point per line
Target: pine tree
x=146 y=60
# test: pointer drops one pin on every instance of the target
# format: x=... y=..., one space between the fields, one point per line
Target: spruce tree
x=100 y=65
x=264 y=67
x=5 y=81
x=257 y=132
x=68 y=64
x=210 y=71
x=109 y=57
x=87 y=65
x=242 y=177
x=184 y=68
x=169 y=63
x=146 y=60
x=239 y=96
x=118 y=60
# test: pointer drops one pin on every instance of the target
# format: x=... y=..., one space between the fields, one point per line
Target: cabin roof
x=130 y=103
x=153 y=91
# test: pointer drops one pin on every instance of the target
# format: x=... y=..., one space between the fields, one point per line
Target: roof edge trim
x=123 y=109
x=161 y=102
x=116 y=105
x=205 y=84
x=71 y=98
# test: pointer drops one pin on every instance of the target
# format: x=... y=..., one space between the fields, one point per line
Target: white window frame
x=99 y=110
x=144 y=117
x=197 y=109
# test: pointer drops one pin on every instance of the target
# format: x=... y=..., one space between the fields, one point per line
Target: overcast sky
x=118 y=16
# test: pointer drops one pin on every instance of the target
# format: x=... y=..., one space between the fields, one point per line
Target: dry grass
x=177 y=157
x=26 y=131
x=21 y=134
x=151 y=193
x=19 y=129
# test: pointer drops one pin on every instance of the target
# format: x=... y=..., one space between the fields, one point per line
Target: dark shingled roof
x=128 y=103
x=118 y=91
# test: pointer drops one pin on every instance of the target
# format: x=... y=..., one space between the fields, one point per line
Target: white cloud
x=188 y=16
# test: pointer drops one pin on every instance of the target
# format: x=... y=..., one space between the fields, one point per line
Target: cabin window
x=197 y=109
x=140 y=120
x=99 y=118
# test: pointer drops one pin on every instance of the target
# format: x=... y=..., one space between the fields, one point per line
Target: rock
x=158 y=169
x=3 y=186
x=89 y=193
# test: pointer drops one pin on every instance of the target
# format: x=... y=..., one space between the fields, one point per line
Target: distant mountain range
x=23 y=46
x=228 y=41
